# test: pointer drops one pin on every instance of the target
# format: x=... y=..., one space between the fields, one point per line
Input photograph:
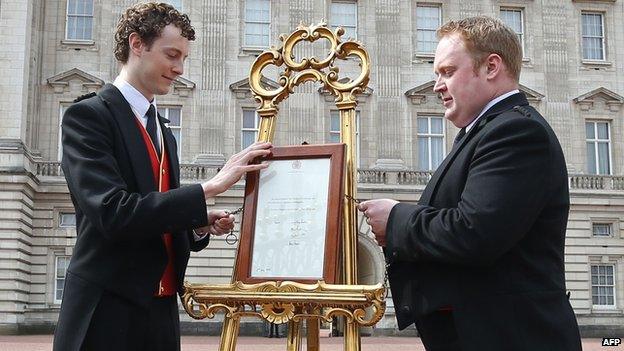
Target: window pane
x=249 y=119
x=603 y=130
x=334 y=138
x=436 y=152
x=423 y=125
x=249 y=138
x=344 y=14
x=512 y=18
x=603 y=158
x=589 y=130
x=601 y=229
x=174 y=117
x=436 y=125
x=423 y=153
x=591 y=158
x=67 y=220
x=335 y=123
x=176 y=135
x=257 y=10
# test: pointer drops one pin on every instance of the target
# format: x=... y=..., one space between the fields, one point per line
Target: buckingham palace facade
x=56 y=50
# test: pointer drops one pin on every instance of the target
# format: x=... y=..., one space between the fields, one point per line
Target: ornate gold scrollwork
x=308 y=69
x=281 y=302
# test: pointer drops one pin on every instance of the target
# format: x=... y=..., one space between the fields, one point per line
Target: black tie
x=459 y=136
x=151 y=128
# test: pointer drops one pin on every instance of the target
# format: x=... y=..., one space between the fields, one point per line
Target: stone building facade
x=55 y=50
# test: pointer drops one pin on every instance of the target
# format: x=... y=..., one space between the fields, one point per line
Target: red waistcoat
x=161 y=172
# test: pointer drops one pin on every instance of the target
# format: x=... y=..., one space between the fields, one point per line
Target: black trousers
x=121 y=325
x=437 y=331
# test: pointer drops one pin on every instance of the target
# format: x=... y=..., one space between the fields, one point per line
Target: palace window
x=430 y=137
x=515 y=20
x=174 y=115
x=344 y=14
x=428 y=19
x=598 y=147
x=251 y=126
x=257 y=23
x=593 y=36
x=79 y=20
x=60 y=271
x=603 y=286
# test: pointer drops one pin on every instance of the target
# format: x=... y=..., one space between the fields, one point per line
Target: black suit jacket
x=120 y=215
x=487 y=238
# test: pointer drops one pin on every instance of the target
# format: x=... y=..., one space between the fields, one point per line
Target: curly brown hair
x=148 y=20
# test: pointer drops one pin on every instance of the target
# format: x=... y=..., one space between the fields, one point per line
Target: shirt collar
x=490 y=104
x=137 y=101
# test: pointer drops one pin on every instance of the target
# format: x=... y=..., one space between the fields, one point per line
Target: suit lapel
x=137 y=152
x=174 y=164
x=491 y=113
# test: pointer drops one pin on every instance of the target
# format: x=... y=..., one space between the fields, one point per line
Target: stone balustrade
x=193 y=172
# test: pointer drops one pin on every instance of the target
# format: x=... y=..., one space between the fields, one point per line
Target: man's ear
x=135 y=43
x=494 y=65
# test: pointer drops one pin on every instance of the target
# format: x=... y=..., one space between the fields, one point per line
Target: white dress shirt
x=490 y=104
x=139 y=105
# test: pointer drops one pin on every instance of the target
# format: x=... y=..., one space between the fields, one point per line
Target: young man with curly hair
x=136 y=226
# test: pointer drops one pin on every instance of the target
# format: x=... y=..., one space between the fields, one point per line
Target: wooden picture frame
x=293 y=214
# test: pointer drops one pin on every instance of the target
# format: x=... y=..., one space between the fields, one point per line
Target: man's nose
x=178 y=68
x=439 y=85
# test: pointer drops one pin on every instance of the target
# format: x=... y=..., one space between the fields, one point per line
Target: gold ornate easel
x=292 y=302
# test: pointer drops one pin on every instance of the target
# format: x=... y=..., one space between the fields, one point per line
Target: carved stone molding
x=61 y=82
x=587 y=101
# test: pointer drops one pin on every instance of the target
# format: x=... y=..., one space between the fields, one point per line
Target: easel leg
x=229 y=334
x=352 y=336
x=314 y=326
x=293 y=342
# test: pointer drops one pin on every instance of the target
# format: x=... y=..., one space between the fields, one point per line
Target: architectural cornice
x=242 y=90
x=182 y=86
x=613 y=100
x=88 y=82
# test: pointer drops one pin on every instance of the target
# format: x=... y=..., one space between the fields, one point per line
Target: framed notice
x=292 y=216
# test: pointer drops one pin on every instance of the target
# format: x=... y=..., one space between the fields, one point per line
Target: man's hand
x=219 y=223
x=376 y=213
x=236 y=167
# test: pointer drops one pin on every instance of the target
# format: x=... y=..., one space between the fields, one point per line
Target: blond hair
x=485 y=35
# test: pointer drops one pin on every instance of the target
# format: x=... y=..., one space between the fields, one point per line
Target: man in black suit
x=478 y=264
x=135 y=225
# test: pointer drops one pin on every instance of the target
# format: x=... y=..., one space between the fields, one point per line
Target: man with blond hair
x=136 y=226
x=478 y=263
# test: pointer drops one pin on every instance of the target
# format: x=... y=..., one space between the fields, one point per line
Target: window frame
x=67 y=16
x=596 y=142
x=333 y=25
x=595 y=307
x=332 y=113
x=245 y=21
x=603 y=37
x=60 y=219
x=522 y=34
x=166 y=108
x=609 y=225
x=416 y=24
x=429 y=135
x=255 y=130
x=56 y=278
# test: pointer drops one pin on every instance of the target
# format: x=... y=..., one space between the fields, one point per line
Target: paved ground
x=205 y=343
